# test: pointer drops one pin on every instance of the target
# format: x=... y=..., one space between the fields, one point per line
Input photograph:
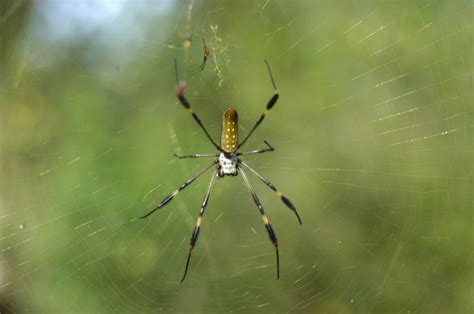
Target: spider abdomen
x=229 y=131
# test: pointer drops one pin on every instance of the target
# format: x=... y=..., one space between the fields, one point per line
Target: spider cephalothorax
x=228 y=163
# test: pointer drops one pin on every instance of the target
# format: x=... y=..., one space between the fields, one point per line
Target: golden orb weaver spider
x=228 y=163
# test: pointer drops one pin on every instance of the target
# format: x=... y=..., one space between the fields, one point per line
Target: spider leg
x=170 y=197
x=258 y=151
x=180 y=86
x=269 y=106
x=195 y=155
x=203 y=65
x=268 y=226
x=197 y=228
x=267 y=182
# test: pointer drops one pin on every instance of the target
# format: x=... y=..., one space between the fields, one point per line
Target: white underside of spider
x=227 y=165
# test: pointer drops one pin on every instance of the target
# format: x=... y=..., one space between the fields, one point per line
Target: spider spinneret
x=228 y=163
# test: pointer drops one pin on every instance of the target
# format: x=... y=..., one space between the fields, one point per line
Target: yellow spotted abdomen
x=229 y=131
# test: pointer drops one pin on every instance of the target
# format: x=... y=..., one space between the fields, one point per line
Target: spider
x=228 y=163
x=205 y=57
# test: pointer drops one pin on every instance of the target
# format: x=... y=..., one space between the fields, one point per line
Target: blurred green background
x=374 y=145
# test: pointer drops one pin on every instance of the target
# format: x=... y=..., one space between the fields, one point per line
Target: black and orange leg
x=269 y=148
x=268 y=107
x=180 y=86
x=267 y=182
x=268 y=226
x=170 y=197
x=197 y=228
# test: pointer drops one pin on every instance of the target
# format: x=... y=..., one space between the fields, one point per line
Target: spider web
x=374 y=145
